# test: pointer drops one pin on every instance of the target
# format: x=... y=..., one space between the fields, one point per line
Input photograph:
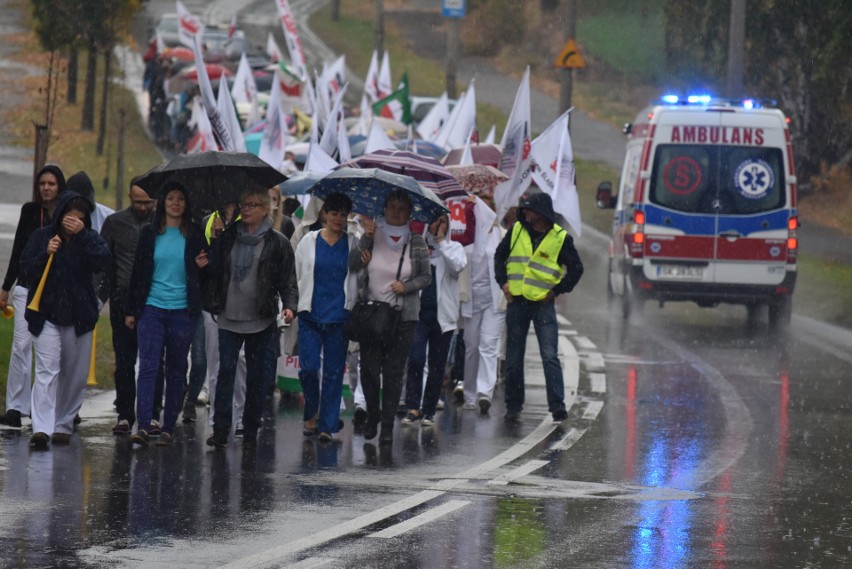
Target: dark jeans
x=126 y=348
x=160 y=331
x=543 y=317
x=328 y=339
x=260 y=375
x=382 y=366
x=427 y=334
x=198 y=357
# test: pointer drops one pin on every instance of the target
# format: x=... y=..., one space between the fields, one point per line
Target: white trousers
x=61 y=370
x=19 y=382
x=482 y=333
x=211 y=347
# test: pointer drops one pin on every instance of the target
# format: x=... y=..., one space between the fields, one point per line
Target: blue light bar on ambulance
x=671 y=99
x=748 y=103
x=699 y=99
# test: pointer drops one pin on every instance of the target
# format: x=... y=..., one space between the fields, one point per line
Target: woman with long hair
x=164 y=302
x=397 y=269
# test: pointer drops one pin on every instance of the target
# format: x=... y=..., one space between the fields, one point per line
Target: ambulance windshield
x=733 y=180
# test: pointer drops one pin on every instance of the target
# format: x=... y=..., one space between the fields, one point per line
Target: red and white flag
x=553 y=170
x=291 y=37
x=385 y=83
x=516 y=144
x=217 y=122
x=272 y=49
x=232 y=27
x=273 y=143
x=189 y=27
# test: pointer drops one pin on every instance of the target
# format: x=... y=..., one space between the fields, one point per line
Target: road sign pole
x=566 y=79
x=453 y=43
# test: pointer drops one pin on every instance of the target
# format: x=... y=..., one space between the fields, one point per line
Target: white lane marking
x=564 y=332
x=592 y=410
x=562 y=320
x=334 y=532
x=570 y=438
x=570 y=370
x=519 y=472
x=310 y=563
x=594 y=361
x=421 y=519
x=584 y=343
x=598 y=381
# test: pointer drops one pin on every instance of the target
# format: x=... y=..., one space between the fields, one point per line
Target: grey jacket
x=421 y=274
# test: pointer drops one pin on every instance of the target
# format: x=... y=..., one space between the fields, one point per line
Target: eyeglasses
x=250 y=205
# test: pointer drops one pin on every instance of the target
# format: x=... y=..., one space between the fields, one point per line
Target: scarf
x=243 y=251
x=394 y=235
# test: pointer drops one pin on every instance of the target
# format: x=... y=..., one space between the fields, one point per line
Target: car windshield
x=737 y=180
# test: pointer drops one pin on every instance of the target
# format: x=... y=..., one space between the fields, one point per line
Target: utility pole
x=566 y=79
x=736 y=49
x=335 y=10
x=453 y=48
x=119 y=177
x=379 y=29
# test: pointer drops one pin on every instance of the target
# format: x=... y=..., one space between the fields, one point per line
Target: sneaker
x=484 y=404
x=440 y=405
x=218 y=439
x=39 y=441
x=165 y=440
x=189 y=413
x=458 y=392
x=427 y=420
x=203 y=397
x=77 y=419
x=122 y=427
x=60 y=438
x=140 y=438
x=560 y=415
x=360 y=416
x=11 y=420
x=154 y=430
x=410 y=418
x=469 y=406
x=512 y=416
x=240 y=430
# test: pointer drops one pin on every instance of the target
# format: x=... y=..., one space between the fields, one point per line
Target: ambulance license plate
x=680 y=272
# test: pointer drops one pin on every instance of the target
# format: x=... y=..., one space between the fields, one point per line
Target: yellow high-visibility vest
x=532 y=274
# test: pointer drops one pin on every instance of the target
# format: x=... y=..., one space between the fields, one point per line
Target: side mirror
x=604 y=198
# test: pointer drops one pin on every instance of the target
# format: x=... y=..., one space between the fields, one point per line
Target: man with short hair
x=535 y=262
x=121 y=233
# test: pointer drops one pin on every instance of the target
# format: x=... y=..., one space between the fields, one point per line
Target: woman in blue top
x=165 y=297
x=327 y=291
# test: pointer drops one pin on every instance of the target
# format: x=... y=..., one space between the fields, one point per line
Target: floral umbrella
x=477 y=178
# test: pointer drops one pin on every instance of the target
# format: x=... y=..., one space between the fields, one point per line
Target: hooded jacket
x=143 y=265
x=82 y=184
x=33 y=216
x=69 y=288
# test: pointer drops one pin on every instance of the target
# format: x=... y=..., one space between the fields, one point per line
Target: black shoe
x=140 y=438
x=218 y=439
x=560 y=415
x=371 y=429
x=60 y=439
x=360 y=417
x=77 y=419
x=12 y=419
x=249 y=441
x=512 y=416
x=484 y=405
x=189 y=413
x=39 y=441
x=155 y=430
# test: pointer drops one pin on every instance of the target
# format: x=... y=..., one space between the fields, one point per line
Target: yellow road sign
x=570 y=56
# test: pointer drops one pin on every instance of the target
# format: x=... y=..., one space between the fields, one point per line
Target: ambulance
x=706 y=208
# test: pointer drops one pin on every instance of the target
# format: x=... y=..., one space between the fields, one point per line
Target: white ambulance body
x=706 y=208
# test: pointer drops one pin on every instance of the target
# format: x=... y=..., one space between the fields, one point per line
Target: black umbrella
x=212 y=179
x=369 y=187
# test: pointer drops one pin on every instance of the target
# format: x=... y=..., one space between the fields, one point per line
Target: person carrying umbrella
x=397 y=269
x=253 y=266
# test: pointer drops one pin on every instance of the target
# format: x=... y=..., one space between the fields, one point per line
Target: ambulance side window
x=628 y=176
x=682 y=176
x=752 y=178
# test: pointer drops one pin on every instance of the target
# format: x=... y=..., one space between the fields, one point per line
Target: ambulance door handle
x=730 y=234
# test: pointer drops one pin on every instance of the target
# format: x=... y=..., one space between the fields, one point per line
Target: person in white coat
x=327 y=291
x=439 y=311
x=483 y=312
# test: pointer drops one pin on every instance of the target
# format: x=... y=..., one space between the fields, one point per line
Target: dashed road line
x=520 y=472
x=598 y=382
x=584 y=343
x=593 y=409
x=421 y=519
x=569 y=440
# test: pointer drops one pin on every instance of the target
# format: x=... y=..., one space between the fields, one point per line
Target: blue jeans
x=260 y=376
x=428 y=333
x=519 y=314
x=328 y=339
x=161 y=330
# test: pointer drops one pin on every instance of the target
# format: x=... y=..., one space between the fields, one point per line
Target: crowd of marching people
x=217 y=292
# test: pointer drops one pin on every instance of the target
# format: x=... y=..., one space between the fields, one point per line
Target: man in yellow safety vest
x=535 y=262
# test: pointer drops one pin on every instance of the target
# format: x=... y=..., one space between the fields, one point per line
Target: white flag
x=329 y=141
x=467 y=155
x=437 y=116
x=189 y=27
x=273 y=143
x=272 y=49
x=160 y=42
x=553 y=170
x=371 y=81
x=291 y=36
x=378 y=140
x=344 y=152
x=492 y=134
x=334 y=76
x=385 y=82
x=205 y=139
x=319 y=161
x=220 y=129
x=444 y=134
x=464 y=122
x=245 y=90
x=229 y=117
x=363 y=127
x=516 y=144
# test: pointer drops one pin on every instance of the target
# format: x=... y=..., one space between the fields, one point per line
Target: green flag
x=397 y=105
